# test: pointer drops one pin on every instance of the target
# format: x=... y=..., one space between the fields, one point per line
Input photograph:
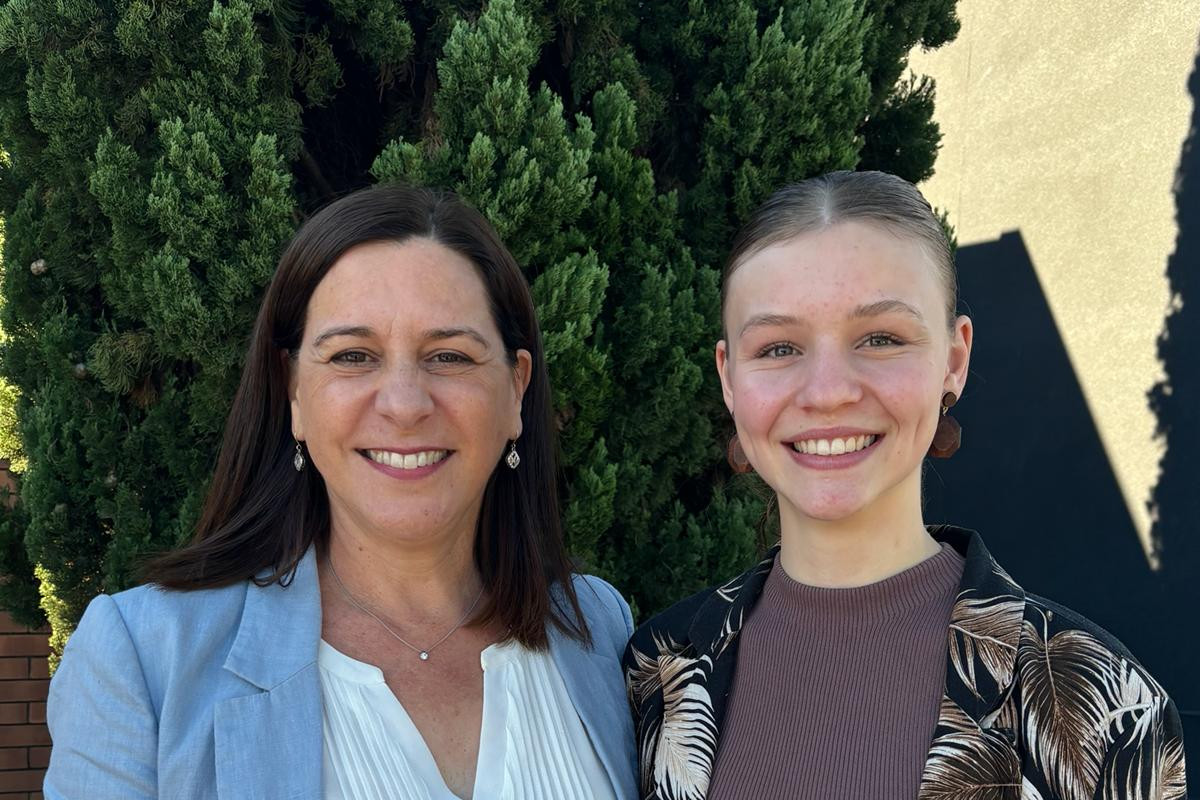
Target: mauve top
x=836 y=691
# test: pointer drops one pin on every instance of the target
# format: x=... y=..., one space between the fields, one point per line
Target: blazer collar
x=719 y=619
x=269 y=742
x=985 y=629
x=280 y=628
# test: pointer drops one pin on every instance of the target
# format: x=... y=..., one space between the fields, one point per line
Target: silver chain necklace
x=423 y=654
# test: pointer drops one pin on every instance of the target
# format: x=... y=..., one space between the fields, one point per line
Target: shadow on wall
x=1033 y=478
x=1175 y=504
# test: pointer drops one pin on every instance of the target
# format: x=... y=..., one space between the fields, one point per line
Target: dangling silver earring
x=298 y=459
x=513 y=459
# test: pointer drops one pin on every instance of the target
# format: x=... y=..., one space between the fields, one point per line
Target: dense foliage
x=160 y=154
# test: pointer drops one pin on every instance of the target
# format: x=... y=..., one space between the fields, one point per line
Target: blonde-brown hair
x=876 y=198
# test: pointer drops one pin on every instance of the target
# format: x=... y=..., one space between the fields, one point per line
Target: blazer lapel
x=974 y=744
x=597 y=690
x=269 y=741
x=690 y=682
x=715 y=628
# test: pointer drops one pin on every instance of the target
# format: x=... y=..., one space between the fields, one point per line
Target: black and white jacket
x=1039 y=704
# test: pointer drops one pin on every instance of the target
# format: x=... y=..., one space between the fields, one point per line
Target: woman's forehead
x=845 y=267
x=418 y=280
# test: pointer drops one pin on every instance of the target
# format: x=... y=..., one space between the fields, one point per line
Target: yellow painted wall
x=1065 y=120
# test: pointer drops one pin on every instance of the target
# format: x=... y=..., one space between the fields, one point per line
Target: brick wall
x=24 y=678
x=24 y=740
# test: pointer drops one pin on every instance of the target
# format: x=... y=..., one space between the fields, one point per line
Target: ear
x=958 y=359
x=289 y=366
x=522 y=374
x=724 y=367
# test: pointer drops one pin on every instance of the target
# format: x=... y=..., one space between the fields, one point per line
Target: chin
x=409 y=524
x=828 y=507
x=826 y=514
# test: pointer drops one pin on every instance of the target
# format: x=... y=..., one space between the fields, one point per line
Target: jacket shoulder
x=166 y=628
x=605 y=611
x=1126 y=725
x=156 y=615
x=1048 y=619
x=672 y=626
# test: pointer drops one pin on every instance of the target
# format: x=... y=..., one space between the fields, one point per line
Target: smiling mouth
x=835 y=447
x=424 y=458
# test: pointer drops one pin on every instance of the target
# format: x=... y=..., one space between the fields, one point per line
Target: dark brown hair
x=875 y=198
x=261 y=516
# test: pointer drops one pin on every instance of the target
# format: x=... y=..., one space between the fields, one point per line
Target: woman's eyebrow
x=885 y=307
x=360 y=331
x=768 y=320
x=364 y=331
x=450 y=333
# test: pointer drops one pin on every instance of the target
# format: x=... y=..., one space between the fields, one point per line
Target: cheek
x=483 y=408
x=327 y=405
x=910 y=392
x=759 y=398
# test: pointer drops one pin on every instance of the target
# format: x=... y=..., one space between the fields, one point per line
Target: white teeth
x=834 y=447
x=406 y=461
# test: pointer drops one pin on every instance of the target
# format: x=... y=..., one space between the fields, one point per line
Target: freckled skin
x=884 y=373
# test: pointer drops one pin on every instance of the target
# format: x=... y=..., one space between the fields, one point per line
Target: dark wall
x=1033 y=478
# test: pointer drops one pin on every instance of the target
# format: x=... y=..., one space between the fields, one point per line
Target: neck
x=875 y=543
x=431 y=581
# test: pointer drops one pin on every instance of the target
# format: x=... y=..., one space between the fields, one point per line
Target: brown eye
x=450 y=357
x=350 y=357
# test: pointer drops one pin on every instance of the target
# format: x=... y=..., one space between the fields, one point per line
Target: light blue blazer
x=216 y=693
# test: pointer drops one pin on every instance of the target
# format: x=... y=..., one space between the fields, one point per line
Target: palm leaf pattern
x=984 y=631
x=972 y=766
x=1065 y=720
x=1039 y=703
x=676 y=757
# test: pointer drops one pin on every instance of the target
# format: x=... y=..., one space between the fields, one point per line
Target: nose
x=830 y=380
x=402 y=395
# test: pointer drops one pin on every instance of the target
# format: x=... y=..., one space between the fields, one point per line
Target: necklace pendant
x=424 y=655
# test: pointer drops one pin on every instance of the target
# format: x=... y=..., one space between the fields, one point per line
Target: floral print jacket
x=1040 y=704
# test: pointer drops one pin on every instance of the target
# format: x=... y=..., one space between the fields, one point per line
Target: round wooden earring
x=737 y=457
x=948 y=436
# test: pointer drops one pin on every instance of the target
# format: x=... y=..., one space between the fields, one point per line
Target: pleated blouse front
x=532 y=744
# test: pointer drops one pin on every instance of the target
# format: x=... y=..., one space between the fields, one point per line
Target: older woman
x=869 y=656
x=377 y=602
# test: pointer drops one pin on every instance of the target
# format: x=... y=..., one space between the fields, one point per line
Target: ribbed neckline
x=920 y=584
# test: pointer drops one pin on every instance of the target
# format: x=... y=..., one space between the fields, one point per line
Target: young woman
x=869 y=656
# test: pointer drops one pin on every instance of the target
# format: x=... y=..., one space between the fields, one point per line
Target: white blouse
x=532 y=744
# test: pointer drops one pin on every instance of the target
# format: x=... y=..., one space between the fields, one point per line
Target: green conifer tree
x=162 y=153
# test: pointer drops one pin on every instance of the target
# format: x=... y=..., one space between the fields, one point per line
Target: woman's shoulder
x=1035 y=626
x=673 y=624
x=604 y=610
x=1089 y=711
x=1060 y=638
x=1046 y=615
x=158 y=623
x=708 y=613
x=151 y=612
